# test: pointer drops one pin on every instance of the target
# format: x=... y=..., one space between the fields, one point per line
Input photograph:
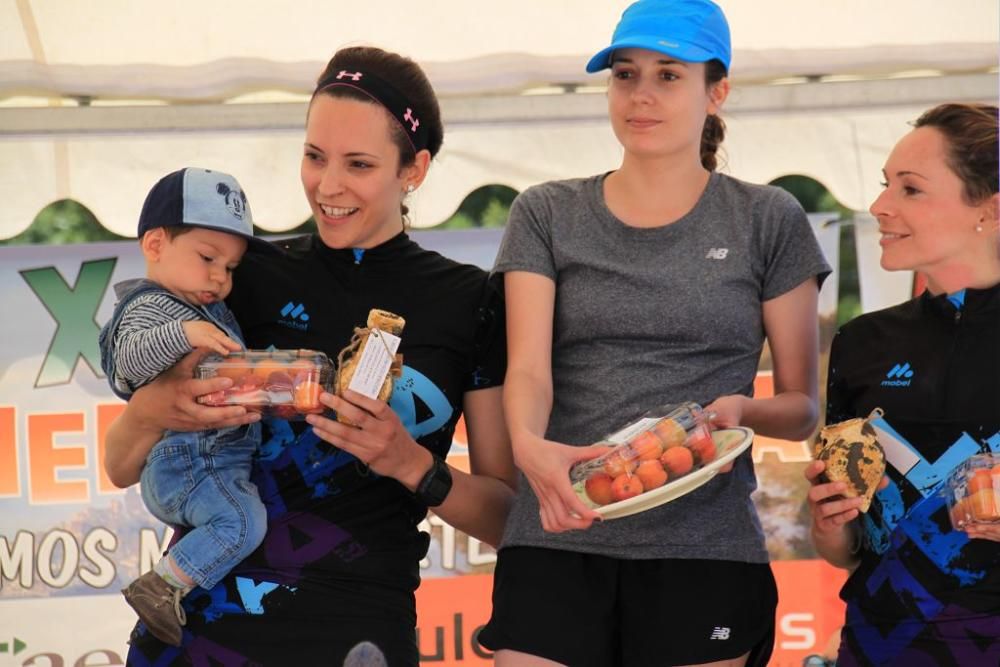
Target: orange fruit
x=980 y=479
x=670 y=433
x=651 y=473
x=620 y=462
x=958 y=517
x=677 y=461
x=626 y=486
x=301 y=369
x=984 y=505
x=232 y=368
x=598 y=488
x=306 y=397
x=267 y=366
x=703 y=448
x=647 y=446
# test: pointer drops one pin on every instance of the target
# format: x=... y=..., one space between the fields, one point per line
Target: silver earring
x=979 y=226
x=409 y=188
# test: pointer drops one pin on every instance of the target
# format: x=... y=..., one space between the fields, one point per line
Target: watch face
x=436 y=484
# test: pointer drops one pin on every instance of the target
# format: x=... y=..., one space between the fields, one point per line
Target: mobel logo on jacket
x=294 y=316
x=899 y=375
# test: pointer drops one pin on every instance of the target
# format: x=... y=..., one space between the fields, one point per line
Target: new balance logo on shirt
x=720 y=633
x=898 y=376
x=296 y=315
x=717 y=253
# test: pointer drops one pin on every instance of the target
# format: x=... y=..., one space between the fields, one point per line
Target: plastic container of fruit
x=973 y=491
x=666 y=453
x=276 y=383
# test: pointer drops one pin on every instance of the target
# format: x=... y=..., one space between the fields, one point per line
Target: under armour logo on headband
x=414 y=123
x=383 y=93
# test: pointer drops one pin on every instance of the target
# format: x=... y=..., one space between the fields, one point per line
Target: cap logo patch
x=669 y=45
x=236 y=201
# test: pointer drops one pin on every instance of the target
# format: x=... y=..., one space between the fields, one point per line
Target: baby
x=194 y=227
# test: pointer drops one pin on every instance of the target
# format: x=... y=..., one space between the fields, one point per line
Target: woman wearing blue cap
x=655 y=283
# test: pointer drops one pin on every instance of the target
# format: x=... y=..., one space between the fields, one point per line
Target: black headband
x=384 y=94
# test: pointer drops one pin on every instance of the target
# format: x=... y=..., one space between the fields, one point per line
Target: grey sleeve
x=527 y=240
x=788 y=246
x=149 y=340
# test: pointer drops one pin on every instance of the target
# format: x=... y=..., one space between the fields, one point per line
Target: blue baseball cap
x=694 y=31
x=200 y=198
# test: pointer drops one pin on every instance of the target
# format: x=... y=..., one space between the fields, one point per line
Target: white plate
x=730 y=443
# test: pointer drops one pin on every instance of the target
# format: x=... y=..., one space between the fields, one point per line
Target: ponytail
x=715 y=128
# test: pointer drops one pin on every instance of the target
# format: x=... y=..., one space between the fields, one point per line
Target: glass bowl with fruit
x=667 y=452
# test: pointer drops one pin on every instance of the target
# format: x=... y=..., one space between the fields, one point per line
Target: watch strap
x=436 y=483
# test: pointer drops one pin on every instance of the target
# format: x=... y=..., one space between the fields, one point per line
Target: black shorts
x=581 y=610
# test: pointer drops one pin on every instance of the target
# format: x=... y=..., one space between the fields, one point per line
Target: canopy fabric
x=480 y=57
x=232 y=44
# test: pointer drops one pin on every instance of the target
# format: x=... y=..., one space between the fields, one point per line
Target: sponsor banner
x=55 y=632
x=69 y=540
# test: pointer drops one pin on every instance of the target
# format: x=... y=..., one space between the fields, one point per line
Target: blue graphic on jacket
x=422 y=408
x=891 y=526
x=252 y=593
x=421 y=405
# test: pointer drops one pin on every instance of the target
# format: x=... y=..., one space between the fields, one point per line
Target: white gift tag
x=376 y=358
x=898 y=452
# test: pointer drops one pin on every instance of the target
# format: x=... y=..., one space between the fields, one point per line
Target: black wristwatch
x=436 y=484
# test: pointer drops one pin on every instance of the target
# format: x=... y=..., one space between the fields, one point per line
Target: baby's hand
x=206 y=334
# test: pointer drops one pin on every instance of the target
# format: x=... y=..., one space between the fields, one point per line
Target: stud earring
x=979 y=226
x=409 y=188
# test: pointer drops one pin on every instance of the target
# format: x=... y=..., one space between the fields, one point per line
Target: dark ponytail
x=714 y=131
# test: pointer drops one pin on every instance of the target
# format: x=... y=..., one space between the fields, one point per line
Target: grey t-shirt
x=649 y=316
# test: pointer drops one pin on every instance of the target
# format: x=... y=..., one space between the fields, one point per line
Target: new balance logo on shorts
x=296 y=315
x=898 y=376
x=717 y=253
x=720 y=633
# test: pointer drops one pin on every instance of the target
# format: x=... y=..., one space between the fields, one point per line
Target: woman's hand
x=829 y=508
x=169 y=402
x=835 y=532
x=375 y=437
x=983 y=532
x=727 y=411
x=546 y=464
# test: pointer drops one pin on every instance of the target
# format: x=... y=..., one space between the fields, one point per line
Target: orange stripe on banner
x=105 y=415
x=451 y=612
x=46 y=459
x=9 y=485
x=810 y=610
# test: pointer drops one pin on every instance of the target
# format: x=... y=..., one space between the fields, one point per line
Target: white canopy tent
x=99 y=99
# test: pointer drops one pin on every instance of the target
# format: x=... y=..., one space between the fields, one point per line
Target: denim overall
x=198 y=479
